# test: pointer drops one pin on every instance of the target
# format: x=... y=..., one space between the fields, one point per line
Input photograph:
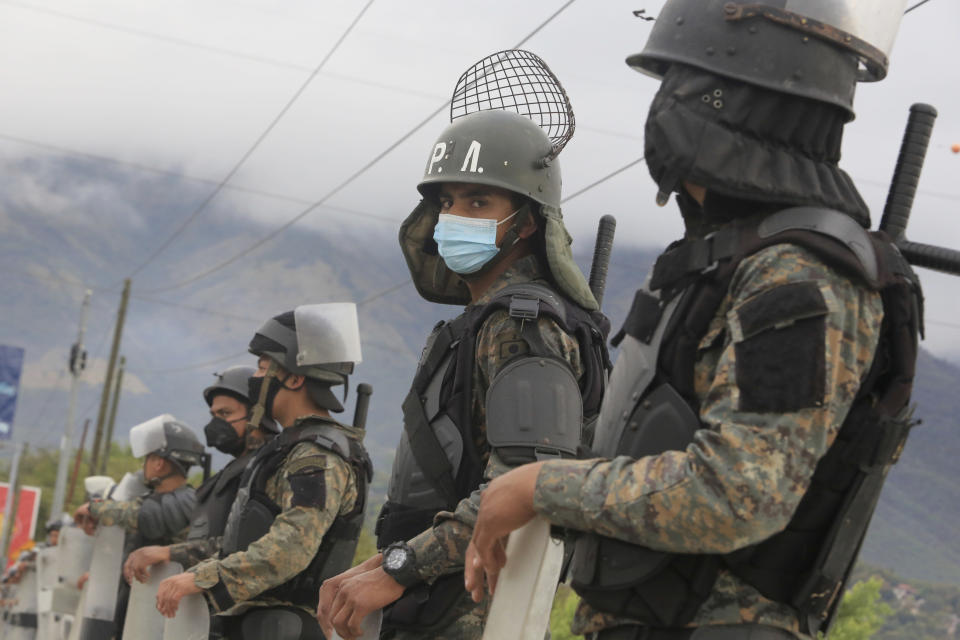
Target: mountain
x=67 y=222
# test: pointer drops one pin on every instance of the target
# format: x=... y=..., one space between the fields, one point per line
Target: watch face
x=395 y=559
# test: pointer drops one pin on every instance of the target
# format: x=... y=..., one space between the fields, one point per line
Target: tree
x=861 y=613
x=564 y=605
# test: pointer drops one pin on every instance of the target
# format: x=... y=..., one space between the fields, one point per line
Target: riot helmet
x=320 y=342
x=220 y=433
x=510 y=118
x=169 y=438
x=754 y=98
x=816 y=49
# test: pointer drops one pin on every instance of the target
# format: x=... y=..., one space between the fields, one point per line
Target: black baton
x=601 y=256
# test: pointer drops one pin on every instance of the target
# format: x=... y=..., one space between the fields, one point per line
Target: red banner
x=24 y=521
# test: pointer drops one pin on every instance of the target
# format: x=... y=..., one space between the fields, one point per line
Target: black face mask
x=222 y=436
x=254 y=385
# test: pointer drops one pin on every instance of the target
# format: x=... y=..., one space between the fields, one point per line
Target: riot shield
x=192 y=621
x=143 y=621
x=101 y=588
x=23 y=615
x=51 y=605
x=526 y=586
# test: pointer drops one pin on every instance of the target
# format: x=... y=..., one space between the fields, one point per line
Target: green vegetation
x=861 y=612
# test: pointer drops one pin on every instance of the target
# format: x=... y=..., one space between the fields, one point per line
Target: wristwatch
x=399 y=562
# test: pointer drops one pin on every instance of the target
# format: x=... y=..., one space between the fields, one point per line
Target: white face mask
x=466 y=244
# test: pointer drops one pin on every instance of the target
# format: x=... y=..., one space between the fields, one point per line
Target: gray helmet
x=168 y=438
x=234 y=381
x=501 y=149
x=320 y=342
x=809 y=48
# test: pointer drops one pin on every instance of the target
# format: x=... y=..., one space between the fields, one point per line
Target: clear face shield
x=327 y=334
x=868 y=28
x=149 y=436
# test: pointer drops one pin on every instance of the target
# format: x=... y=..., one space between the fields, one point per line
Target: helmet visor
x=149 y=436
x=327 y=334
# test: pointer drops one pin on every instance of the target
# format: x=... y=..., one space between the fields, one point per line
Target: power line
x=922 y=2
x=214 y=312
x=349 y=180
x=206 y=201
x=597 y=183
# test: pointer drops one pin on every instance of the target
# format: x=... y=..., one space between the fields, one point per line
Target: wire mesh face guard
x=519 y=81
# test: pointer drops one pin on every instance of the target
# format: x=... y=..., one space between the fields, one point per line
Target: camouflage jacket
x=193 y=551
x=295 y=535
x=127 y=515
x=440 y=550
x=741 y=479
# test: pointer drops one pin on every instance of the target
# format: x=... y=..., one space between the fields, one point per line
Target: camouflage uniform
x=741 y=479
x=295 y=535
x=441 y=549
x=192 y=552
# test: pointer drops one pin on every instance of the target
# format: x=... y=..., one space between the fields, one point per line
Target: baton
x=364 y=391
x=601 y=256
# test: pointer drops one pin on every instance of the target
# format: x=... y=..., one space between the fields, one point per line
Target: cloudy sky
x=187 y=87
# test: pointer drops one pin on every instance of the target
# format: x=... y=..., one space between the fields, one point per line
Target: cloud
x=50 y=372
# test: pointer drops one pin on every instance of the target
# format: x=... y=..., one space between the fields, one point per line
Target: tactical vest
x=437 y=463
x=171 y=510
x=253 y=511
x=214 y=499
x=651 y=407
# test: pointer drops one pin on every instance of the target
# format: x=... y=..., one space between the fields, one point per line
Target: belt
x=28 y=620
x=643 y=633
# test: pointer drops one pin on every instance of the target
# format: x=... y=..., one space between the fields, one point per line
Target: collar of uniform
x=526 y=269
x=306 y=421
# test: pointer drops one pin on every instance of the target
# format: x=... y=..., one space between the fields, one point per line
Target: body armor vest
x=214 y=498
x=651 y=407
x=437 y=463
x=253 y=511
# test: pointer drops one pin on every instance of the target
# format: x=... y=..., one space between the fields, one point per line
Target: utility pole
x=108 y=382
x=113 y=416
x=76 y=462
x=78 y=362
x=13 y=483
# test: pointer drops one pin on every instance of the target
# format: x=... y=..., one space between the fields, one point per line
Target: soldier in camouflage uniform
x=228 y=432
x=736 y=496
x=162 y=516
x=299 y=509
x=468 y=364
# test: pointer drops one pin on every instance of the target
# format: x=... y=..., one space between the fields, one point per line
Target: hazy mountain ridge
x=913 y=532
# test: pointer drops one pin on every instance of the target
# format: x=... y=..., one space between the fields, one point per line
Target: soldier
x=161 y=517
x=228 y=432
x=510 y=380
x=766 y=365
x=299 y=509
x=52 y=529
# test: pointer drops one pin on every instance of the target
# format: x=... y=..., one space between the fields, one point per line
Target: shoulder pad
x=534 y=411
x=828 y=222
x=164 y=514
x=528 y=299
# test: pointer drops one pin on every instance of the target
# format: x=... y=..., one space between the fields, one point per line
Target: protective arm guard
x=164 y=515
x=534 y=411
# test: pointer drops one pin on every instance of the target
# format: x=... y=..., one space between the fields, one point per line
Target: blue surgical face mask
x=466 y=244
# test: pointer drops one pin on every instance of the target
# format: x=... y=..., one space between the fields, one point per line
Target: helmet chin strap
x=256 y=413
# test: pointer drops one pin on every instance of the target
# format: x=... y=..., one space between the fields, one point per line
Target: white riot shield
x=526 y=586
x=74 y=552
x=23 y=616
x=131 y=486
x=371 y=627
x=101 y=589
x=143 y=621
x=47 y=582
x=192 y=621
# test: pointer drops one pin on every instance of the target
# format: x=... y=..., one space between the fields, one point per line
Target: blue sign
x=11 y=364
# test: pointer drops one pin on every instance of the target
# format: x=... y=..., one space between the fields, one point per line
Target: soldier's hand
x=82 y=580
x=506 y=504
x=359 y=596
x=330 y=587
x=172 y=590
x=139 y=562
x=84 y=520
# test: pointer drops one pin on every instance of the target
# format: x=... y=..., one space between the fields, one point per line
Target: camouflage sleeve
x=441 y=549
x=121 y=514
x=766 y=422
x=312 y=487
x=192 y=552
